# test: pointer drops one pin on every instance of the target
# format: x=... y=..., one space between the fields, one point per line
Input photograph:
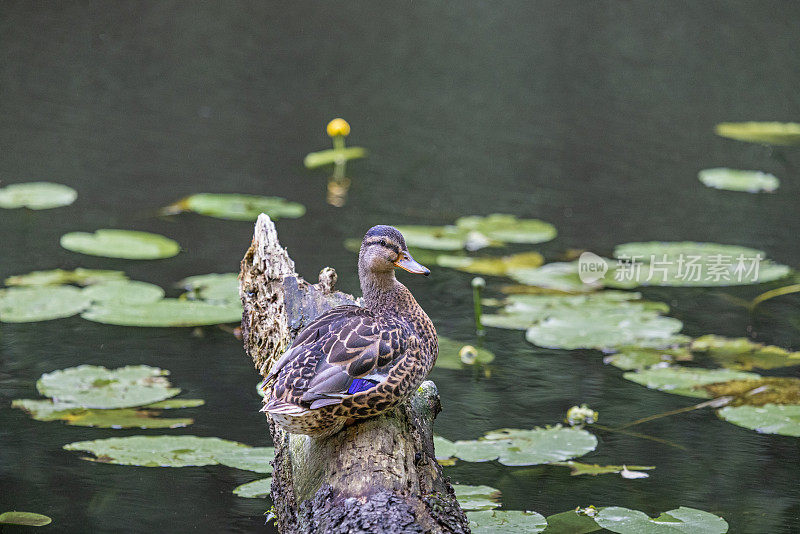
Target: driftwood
x=378 y=475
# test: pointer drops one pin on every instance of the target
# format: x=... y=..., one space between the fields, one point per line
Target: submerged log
x=378 y=475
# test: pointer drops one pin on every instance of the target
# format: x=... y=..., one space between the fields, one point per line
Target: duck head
x=382 y=251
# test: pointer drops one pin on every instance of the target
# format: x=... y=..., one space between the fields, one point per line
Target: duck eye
x=383 y=242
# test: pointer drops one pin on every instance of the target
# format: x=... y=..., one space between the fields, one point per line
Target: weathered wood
x=376 y=476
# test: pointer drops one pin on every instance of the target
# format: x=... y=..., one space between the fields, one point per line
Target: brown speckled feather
x=345 y=343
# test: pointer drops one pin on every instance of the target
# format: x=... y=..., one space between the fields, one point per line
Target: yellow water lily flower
x=338 y=127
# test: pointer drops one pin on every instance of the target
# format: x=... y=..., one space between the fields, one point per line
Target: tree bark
x=378 y=475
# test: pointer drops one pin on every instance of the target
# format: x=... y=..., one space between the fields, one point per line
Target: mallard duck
x=355 y=362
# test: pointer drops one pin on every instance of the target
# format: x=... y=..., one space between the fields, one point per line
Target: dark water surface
x=595 y=116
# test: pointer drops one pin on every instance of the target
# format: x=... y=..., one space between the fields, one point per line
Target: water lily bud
x=338 y=127
x=578 y=415
x=468 y=354
x=478 y=282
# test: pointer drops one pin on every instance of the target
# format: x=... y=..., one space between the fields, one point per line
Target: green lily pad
x=335 y=155
x=477 y=498
x=434 y=237
x=758 y=391
x=766 y=419
x=602 y=330
x=600 y=320
x=693 y=264
x=40 y=303
x=523 y=311
x=213 y=288
x=125 y=244
x=771 y=133
x=736 y=180
x=743 y=354
x=46 y=410
x=36 y=196
x=527 y=447
x=124 y=292
x=92 y=386
x=498 y=266
x=172 y=404
x=685 y=381
x=559 y=276
x=509 y=229
x=156 y=451
x=642 y=358
x=450 y=354
x=237 y=207
x=444 y=448
x=79 y=276
x=518 y=522
x=28 y=519
x=681 y=520
x=255 y=459
x=164 y=313
x=570 y=522
x=257 y=489
x=578 y=468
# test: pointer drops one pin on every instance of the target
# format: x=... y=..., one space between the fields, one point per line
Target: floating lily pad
x=28 y=519
x=444 y=448
x=599 y=320
x=214 y=288
x=172 y=404
x=125 y=244
x=92 y=386
x=743 y=354
x=771 y=133
x=523 y=311
x=641 y=358
x=46 y=410
x=578 y=468
x=237 y=207
x=570 y=522
x=527 y=447
x=693 y=264
x=36 y=196
x=519 y=522
x=40 y=303
x=685 y=381
x=498 y=266
x=758 y=391
x=450 y=354
x=477 y=498
x=736 y=180
x=257 y=489
x=434 y=237
x=509 y=229
x=164 y=313
x=559 y=276
x=156 y=451
x=255 y=459
x=683 y=519
x=335 y=155
x=124 y=292
x=766 y=419
x=602 y=330
x=80 y=276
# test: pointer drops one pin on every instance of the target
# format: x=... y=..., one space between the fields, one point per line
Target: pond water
x=594 y=116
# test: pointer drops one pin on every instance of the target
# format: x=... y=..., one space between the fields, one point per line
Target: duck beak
x=406 y=262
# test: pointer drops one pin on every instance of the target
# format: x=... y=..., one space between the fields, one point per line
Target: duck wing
x=343 y=352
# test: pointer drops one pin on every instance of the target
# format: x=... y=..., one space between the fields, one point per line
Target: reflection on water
x=595 y=117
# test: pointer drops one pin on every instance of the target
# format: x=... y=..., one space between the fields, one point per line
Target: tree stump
x=378 y=475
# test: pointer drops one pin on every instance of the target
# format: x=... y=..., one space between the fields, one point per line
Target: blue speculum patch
x=360 y=384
